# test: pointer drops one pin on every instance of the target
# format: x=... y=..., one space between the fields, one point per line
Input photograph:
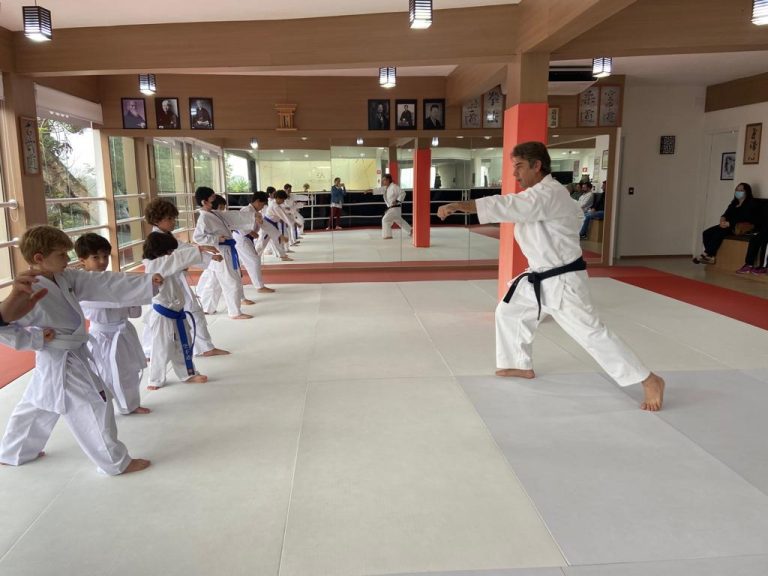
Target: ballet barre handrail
x=10 y=243
x=11 y=204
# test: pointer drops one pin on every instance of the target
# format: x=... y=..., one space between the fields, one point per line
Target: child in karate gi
x=172 y=339
x=114 y=342
x=247 y=241
x=214 y=229
x=65 y=382
x=271 y=234
x=162 y=215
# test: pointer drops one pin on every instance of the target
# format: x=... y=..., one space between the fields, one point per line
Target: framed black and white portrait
x=201 y=113
x=378 y=114
x=434 y=114
x=167 y=113
x=134 y=113
x=728 y=166
x=406 y=114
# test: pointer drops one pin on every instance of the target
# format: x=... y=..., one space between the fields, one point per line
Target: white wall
x=661 y=217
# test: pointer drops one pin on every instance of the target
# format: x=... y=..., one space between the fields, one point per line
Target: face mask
x=739 y=194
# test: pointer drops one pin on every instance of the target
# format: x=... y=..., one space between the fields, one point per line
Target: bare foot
x=247 y=302
x=515 y=373
x=286 y=259
x=209 y=313
x=136 y=465
x=265 y=290
x=653 y=389
x=141 y=410
x=216 y=352
x=197 y=379
x=242 y=317
x=151 y=387
x=387 y=238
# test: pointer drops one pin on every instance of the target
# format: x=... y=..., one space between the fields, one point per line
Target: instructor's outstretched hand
x=446 y=210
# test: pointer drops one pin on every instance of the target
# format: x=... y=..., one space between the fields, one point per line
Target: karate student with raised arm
x=162 y=215
x=172 y=338
x=215 y=229
x=276 y=216
x=547 y=223
x=114 y=343
x=248 y=247
x=64 y=382
x=18 y=304
x=393 y=197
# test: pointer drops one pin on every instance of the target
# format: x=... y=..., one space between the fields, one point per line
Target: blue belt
x=179 y=316
x=235 y=259
x=271 y=222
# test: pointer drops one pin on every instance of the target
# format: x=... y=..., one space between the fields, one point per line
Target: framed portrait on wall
x=134 y=113
x=406 y=114
x=167 y=113
x=752 y=137
x=201 y=113
x=728 y=166
x=434 y=114
x=378 y=114
x=471 y=114
x=667 y=145
x=30 y=145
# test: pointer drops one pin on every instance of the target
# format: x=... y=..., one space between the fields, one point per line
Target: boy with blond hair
x=64 y=382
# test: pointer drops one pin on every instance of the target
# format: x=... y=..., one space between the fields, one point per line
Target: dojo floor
x=356 y=431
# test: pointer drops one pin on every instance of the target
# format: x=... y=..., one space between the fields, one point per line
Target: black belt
x=395 y=205
x=535 y=278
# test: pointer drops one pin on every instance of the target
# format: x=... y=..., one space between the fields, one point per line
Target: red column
x=522 y=123
x=422 y=164
x=394 y=169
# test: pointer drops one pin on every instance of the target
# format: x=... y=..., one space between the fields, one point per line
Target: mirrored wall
x=461 y=168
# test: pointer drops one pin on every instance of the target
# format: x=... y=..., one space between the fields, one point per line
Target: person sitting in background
x=597 y=212
x=739 y=218
x=758 y=245
x=587 y=197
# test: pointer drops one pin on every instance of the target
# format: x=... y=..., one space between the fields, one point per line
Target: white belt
x=111 y=328
x=67 y=341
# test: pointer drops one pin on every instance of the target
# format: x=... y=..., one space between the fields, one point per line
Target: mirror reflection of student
x=393 y=198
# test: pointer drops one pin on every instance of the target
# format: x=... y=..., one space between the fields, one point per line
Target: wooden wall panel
x=484 y=34
x=650 y=27
x=87 y=87
x=741 y=92
x=7 y=63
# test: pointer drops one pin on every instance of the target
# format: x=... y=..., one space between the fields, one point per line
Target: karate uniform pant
x=393 y=216
x=516 y=325
x=127 y=361
x=251 y=260
x=166 y=347
x=270 y=236
x=231 y=286
x=203 y=341
x=90 y=418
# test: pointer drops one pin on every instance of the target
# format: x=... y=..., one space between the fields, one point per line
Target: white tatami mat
x=357 y=430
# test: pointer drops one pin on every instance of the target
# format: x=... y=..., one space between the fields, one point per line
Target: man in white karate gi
x=547 y=225
x=393 y=198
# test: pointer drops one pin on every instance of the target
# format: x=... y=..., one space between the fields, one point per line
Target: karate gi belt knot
x=535 y=278
x=235 y=259
x=178 y=316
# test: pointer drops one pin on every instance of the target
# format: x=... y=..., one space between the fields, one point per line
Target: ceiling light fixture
x=602 y=67
x=387 y=76
x=147 y=84
x=359 y=141
x=37 y=23
x=760 y=12
x=420 y=14
x=435 y=141
x=254 y=143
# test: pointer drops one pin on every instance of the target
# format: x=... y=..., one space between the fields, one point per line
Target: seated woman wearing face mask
x=739 y=218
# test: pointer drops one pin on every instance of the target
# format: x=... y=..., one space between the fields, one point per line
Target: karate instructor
x=547 y=223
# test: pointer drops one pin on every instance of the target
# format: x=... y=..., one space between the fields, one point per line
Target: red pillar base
x=422 y=164
x=522 y=123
